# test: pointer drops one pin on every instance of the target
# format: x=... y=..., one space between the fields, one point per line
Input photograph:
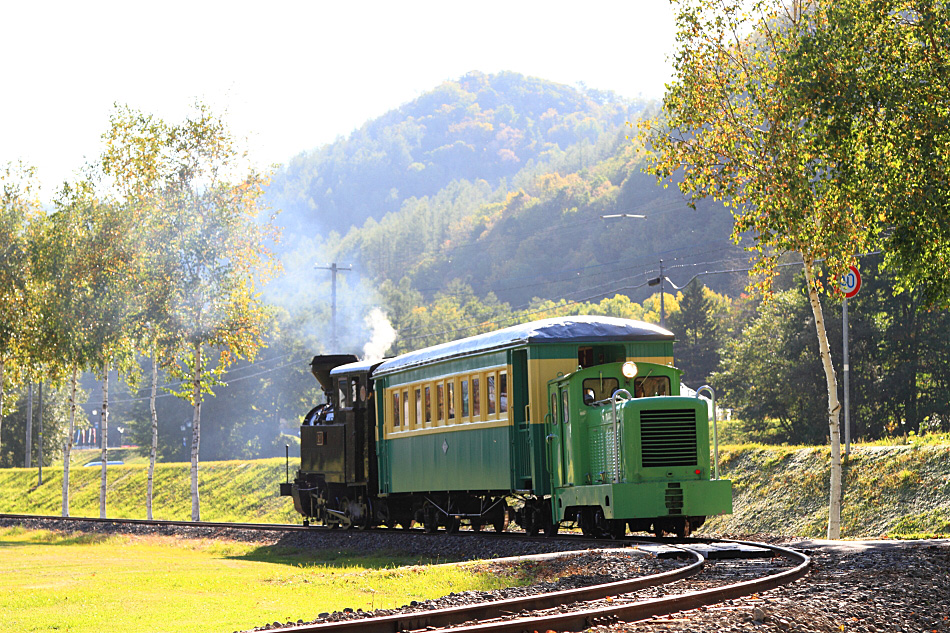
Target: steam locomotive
x=572 y=421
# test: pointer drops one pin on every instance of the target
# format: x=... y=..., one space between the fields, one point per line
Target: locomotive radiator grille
x=668 y=438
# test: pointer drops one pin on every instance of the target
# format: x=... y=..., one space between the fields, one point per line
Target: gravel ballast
x=861 y=587
x=864 y=587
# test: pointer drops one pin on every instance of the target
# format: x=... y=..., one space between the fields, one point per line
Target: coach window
x=463 y=388
x=405 y=408
x=490 y=382
x=428 y=406
x=450 y=399
x=585 y=357
x=397 y=410
x=503 y=392
x=476 y=399
x=354 y=391
x=418 y=420
x=440 y=403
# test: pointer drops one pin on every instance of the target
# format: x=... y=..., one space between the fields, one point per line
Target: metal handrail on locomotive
x=573 y=421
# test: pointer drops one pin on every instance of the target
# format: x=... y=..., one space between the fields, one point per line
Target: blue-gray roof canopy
x=575 y=329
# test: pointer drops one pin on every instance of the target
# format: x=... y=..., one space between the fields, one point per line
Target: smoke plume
x=382 y=335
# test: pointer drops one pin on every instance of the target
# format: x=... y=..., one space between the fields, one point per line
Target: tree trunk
x=68 y=448
x=154 y=450
x=28 y=448
x=104 y=433
x=834 y=406
x=195 y=434
x=1 y=404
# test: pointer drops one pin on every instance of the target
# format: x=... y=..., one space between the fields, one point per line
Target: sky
x=292 y=76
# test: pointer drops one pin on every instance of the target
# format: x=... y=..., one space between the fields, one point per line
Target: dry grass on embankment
x=889 y=491
x=894 y=491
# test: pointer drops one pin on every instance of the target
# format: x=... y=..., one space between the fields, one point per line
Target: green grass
x=90 y=583
x=229 y=491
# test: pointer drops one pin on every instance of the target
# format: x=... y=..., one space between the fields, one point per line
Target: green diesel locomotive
x=572 y=421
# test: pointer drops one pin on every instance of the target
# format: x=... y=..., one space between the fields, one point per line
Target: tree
x=771 y=373
x=211 y=199
x=875 y=75
x=738 y=128
x=135 y=155
x=20 y=212
x=88 y=264
x=200 y=201
x=698 y=334
x=824 y=125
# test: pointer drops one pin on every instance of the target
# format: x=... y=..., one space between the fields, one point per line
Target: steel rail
x=579 y=620
x=486 y=610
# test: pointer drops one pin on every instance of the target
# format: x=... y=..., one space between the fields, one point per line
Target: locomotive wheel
x=452 y=525
x=430 y=520
x=366 y=518
x=585 y=521
x=357 y=512
x=500 y=519
x=530 y=522
x=683 y=528
x=551 y=529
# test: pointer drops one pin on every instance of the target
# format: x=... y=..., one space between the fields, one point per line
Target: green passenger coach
x=543 y=415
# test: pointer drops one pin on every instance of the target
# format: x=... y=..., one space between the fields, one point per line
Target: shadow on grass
x=50 y=538
x=294 y=554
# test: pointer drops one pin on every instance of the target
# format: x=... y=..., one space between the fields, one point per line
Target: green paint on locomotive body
x=661 y=465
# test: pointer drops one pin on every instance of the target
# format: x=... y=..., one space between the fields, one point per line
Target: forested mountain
x=543 y=236
x=499 y=182
x=481 y=127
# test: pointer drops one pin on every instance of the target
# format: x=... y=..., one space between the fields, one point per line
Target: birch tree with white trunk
x=211 y=227
x=735 y=128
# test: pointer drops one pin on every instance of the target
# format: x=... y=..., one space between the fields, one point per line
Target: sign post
x=850 y=284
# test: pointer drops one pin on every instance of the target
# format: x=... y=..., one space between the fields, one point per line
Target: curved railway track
x=588 y=606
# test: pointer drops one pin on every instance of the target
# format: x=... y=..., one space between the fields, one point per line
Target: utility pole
x=28 y=459
x=662 y=301
x=40 y=447
x=658 y=281
x=334 y=269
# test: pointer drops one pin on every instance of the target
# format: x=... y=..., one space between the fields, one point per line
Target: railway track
x=574 y=609
x=580 y=609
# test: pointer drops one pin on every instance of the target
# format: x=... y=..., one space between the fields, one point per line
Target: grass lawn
x=94 y=583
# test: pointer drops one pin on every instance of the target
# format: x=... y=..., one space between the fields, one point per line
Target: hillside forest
x=478 y=205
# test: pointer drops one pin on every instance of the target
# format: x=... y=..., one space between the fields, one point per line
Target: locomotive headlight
x=629 y=369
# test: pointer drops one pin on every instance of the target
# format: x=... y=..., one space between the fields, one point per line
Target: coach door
x=558 y=438
x=521 y=422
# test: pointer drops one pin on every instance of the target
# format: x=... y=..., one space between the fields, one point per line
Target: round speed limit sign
x=851 y=282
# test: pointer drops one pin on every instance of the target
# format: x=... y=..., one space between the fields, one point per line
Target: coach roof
x=575 y=329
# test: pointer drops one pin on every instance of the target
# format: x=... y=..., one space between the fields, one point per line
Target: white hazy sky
x=290 y=76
